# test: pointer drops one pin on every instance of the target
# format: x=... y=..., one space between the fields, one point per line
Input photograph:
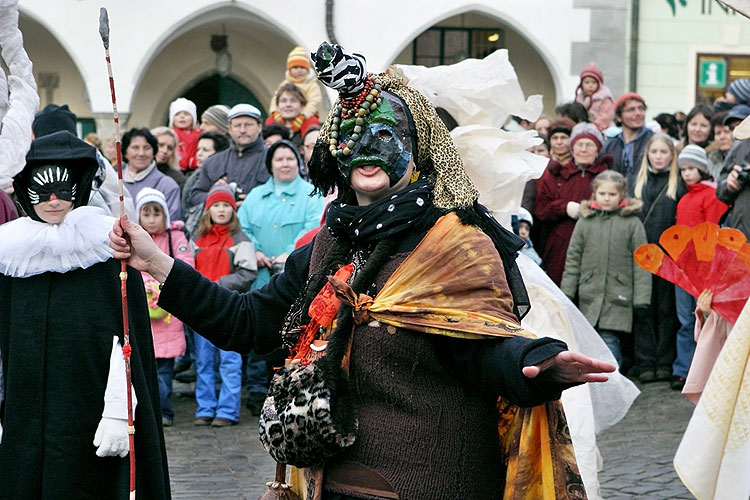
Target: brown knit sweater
x=427 y=433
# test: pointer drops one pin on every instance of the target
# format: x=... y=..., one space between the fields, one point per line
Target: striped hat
x=298 y=57
x=695 y=155
x=740 y=89
x=217 y=115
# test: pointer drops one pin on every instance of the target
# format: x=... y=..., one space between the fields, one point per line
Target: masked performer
x=64 y=414
x=430 y=354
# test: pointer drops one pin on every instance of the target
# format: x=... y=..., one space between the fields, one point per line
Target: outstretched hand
x=572 y=367
x=132 y=243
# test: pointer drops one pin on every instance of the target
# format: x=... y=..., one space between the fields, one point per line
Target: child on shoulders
x=183 y=118
x=596 y=97
x=298 y=72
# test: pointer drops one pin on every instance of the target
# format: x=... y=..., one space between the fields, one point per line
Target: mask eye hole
x=384 y=135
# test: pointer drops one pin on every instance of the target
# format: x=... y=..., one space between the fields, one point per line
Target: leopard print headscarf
x=437 y=156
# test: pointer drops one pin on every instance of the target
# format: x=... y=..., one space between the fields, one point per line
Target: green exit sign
x=713 y=73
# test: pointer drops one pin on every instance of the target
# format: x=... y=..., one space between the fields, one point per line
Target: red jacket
x=700 y=205
x=558 y=185
x=187 y=147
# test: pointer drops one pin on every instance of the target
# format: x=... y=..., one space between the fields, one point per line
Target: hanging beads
x=359 y=107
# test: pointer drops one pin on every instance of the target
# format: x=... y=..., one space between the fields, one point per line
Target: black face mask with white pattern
x=383 y=218
x=50 y=182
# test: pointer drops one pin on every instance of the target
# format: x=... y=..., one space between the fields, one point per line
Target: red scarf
x=212 y=261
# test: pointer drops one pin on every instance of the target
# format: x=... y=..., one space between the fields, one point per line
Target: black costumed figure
x=428 y=387
x=63 y=411
x=64 y=414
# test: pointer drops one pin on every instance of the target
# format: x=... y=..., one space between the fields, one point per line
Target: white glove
x=573 y=209
x=111 y=438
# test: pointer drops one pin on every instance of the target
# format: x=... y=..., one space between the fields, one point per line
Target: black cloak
x=56 y=334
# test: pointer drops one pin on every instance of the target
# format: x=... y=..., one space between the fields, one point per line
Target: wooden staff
x=126 y=349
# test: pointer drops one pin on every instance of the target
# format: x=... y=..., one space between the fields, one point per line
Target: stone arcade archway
x=58 y=79
x=183 y=63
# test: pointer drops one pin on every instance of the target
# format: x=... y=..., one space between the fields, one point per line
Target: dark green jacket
x=600 y=266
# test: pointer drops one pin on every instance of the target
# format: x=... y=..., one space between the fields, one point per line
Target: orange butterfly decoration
x=703 y=257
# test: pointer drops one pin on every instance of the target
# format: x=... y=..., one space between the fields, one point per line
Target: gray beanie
x=588 y=131
x=217 y=115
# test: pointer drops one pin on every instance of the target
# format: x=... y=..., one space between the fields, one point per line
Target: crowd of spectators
x=675 y=169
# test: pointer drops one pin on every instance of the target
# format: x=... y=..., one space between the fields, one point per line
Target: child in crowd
x=596 y=97
x=225 y=255
x=525 y=222
x=169 y=336
x=599 y=267
x=659 y=187
x=298 y=72
x=738 y=92
x=698 y=205
x=183 y=118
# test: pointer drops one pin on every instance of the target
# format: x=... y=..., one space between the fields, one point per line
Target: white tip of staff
x=132 y=495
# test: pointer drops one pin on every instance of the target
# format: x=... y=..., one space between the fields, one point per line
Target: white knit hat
x=151 y=195
x=182 y=104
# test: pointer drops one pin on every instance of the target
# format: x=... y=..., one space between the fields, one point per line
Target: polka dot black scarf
x=381 y=219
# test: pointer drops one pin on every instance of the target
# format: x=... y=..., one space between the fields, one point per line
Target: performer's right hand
x=140 y=251
x=111 y=438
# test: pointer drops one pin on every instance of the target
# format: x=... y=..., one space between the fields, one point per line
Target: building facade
x=688 y=51
x=163 y=49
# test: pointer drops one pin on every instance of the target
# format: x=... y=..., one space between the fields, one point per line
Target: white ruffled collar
x=31 y=247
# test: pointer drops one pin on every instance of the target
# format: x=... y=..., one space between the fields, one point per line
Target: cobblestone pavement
x=229 y=463
x=638 y=451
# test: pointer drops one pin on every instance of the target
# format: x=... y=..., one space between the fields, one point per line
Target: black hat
x=62 y=149
x=54 y=118
x=273 y=147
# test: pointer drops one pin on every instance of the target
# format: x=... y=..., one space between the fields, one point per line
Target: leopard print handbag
x=306 y=417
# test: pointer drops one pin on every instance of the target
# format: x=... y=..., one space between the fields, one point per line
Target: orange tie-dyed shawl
x=453 y=284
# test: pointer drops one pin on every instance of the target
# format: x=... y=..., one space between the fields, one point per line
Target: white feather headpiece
x=19 y=100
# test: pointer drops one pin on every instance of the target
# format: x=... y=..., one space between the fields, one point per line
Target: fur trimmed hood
x=632 y=206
